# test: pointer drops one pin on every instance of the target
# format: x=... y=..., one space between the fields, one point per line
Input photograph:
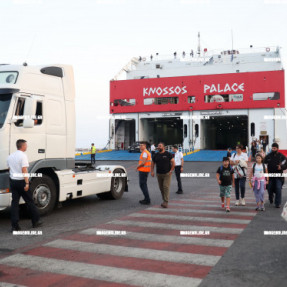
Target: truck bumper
x=5 y=200
x=4 y=180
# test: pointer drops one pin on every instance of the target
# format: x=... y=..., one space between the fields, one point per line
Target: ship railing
x=189 y=56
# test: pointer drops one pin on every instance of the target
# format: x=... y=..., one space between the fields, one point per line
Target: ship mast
x=198 y=45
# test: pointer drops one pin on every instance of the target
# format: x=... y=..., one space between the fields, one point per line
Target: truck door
x=29 y=109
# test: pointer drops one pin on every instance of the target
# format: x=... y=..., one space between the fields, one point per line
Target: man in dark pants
x=178 y=159
x=93 y=154
x=19 y=185
x=164 y=167
x=152 y=149
x=143 y=167
x=276 y=163
x=264 y=144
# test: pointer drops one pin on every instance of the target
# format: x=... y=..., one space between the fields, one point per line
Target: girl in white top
x=258 y=181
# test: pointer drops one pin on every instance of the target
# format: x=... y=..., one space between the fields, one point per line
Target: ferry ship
x=200 y=100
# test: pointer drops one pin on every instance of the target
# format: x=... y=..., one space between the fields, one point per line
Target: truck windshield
x=8 y=77
x=4 y=106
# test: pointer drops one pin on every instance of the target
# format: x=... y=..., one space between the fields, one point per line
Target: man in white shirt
x=152 y=149
x=178 y=158
x=239 y=181
x=18 y=164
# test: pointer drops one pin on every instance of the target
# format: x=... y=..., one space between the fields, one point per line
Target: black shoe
x=145 y=202
x=179 y=192
x=277 y=206
x=15 y=228
x=37 y=224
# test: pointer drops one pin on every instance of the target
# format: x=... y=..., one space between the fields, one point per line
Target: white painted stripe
x=247 y=195
x=210 y=199
x=216 y=201
x=179 y=257
x=5 y=284
x=248 y=192
x=93 y=271
x=209 y=205
x=203 y=211
x=168 y=238
x=192 y=218
x=177 y=226
x=212 y=195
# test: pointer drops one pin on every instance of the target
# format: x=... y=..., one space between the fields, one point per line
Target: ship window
x=196 y=130
x=252 y=128
x=223 y=98
x=191 y=99
x=266 y=96
x=185 y=130
x=124 y=102
x=161 y=101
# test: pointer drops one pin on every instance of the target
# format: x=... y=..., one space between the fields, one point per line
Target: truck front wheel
x=118 y=184
x=44 y=194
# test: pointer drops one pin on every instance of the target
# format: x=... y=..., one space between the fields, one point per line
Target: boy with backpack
x=258 y=181
x=225 y=179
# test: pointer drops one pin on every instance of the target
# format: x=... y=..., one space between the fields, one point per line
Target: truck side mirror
x=29 y=113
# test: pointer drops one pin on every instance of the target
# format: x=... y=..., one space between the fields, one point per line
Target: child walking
x=258 y=181
x=225 y=178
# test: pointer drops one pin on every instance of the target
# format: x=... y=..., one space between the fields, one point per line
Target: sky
x=99 y=37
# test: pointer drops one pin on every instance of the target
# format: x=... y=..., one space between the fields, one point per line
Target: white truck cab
x=37 y=104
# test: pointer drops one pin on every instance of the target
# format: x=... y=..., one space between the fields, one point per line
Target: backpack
x=253 y=168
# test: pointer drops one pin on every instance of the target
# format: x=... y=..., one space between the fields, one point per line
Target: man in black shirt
x=276 y=163
x=164 y=162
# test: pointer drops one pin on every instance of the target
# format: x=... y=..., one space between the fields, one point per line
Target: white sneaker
x=237 y=202
x=240 y=201
x=243 y=202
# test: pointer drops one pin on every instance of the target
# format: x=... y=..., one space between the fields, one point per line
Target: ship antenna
x=232 y=45
x=232 y=39
x=31 y=47
x=198 y=46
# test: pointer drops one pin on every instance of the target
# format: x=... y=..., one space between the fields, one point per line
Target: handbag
x=239 y=171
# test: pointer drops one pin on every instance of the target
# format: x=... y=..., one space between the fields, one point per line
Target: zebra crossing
x=150 y=252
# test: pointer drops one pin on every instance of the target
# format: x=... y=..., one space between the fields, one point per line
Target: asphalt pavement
x=227 y=257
